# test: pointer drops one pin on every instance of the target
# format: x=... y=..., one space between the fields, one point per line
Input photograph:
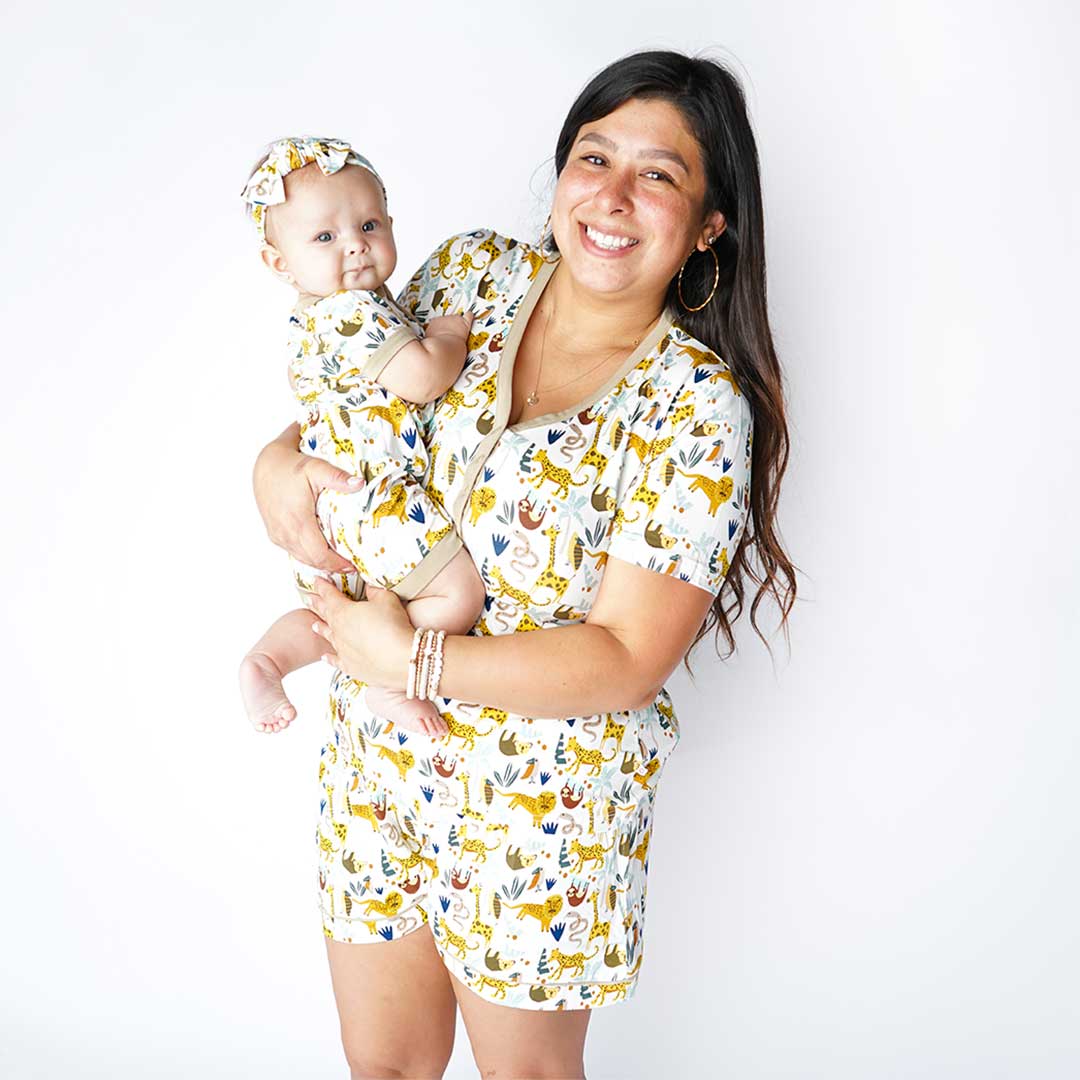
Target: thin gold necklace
x=534 y=396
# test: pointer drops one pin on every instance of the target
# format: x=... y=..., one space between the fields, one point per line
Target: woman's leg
x=508 y=1042
x=396 y=1007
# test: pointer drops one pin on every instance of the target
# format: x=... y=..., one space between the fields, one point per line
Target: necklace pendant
x=532 y=399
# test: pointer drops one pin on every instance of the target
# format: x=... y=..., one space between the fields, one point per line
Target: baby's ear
x=275 y=263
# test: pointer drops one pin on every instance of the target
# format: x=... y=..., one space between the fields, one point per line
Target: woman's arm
x=287 y=484
x=649 y=606
x=639 y=628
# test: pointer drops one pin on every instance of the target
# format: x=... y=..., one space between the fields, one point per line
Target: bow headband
x=266 y=185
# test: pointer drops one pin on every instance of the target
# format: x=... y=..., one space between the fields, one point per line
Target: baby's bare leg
x=288 y=645
x=451 y=602
x=453 y=599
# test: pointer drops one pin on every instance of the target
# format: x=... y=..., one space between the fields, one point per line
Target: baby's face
x=332 y=232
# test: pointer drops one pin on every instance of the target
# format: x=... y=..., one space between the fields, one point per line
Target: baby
x=356 y=364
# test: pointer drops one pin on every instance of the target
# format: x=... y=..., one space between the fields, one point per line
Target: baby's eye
x=323 y=238
x=369 y=225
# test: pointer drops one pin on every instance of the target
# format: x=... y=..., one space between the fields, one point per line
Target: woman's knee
x=536 y=1064
x=368 y=1062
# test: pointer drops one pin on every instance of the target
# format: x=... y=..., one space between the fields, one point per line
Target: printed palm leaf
x=514 y=890
x=689 y=461
x=504 y=780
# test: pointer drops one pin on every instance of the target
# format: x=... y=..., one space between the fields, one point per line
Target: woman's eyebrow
x=652 y=151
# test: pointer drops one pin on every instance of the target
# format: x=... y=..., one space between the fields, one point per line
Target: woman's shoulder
x=476 y=241
x=701 y=374
x=477 y=262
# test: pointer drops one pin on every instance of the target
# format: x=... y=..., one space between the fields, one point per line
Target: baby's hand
x=456 y=326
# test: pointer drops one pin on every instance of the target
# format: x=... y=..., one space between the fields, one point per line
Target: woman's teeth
x=612 y=243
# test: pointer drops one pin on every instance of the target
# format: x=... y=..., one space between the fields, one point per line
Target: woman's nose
x=614 y=194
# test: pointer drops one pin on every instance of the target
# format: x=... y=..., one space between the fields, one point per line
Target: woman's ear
x=715 y=224
x=276 y=264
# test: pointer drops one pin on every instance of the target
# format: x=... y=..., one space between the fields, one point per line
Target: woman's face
x=629 y=204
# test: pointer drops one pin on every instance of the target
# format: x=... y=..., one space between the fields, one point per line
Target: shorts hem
x=359 y=930
x=534 y=996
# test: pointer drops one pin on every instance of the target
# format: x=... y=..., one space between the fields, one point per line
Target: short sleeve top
x=654 y=468
x=351 y=334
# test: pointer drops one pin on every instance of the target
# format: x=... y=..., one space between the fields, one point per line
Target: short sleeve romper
x=390 y=529
x=524 y=840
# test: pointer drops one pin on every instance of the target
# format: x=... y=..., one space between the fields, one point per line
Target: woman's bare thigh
x=396 y=1006
x=508 y=1042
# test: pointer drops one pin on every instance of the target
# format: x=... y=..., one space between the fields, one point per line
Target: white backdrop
x=864 y=862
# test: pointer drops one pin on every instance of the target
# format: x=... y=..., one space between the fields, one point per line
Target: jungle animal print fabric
x=523 y=841
x=390 y=529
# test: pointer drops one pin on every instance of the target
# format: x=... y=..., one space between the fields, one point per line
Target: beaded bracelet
x=410 y=686
x=432 y=644
x=425 y=663
x=436 y=671
x=422 y=664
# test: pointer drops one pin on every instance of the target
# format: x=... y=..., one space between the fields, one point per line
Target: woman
x=596 y=458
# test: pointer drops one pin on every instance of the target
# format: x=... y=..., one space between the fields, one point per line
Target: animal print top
x=654 y=469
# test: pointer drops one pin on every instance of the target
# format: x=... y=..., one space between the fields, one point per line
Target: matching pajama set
x=524 y=840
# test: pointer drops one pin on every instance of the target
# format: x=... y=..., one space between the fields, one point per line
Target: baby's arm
x=426 y=368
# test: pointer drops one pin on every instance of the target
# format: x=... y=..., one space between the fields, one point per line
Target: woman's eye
x=657 y=172
x=323 y=238
x=592 y=157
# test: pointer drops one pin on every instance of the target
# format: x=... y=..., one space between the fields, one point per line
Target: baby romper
x=390 y=529
x=524 y=840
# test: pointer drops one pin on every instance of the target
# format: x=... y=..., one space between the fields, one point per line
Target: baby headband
x=266 y=186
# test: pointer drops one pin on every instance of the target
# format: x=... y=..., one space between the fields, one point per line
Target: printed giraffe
x=548 y=578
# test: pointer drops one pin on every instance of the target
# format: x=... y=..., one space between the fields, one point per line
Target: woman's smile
x=607 y=245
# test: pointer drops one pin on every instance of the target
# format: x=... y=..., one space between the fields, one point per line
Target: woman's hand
x=287 y=483
x=370 y=640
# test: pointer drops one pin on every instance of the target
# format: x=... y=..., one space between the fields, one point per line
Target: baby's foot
x=413 y=714
x=264 y=697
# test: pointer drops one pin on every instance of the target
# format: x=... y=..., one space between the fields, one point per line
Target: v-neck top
x=521 y=321
x=653 y=467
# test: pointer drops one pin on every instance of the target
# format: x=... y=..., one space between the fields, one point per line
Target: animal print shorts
x=522 y=842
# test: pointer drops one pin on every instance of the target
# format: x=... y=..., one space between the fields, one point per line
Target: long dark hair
x=735 y=324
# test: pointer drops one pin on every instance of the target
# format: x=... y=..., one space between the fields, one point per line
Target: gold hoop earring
x=544 y=241
x=716 y=279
